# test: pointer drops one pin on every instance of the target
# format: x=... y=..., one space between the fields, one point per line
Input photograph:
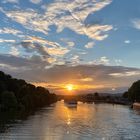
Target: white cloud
x=104 y=60
x=9 y=31
x=118 y=62
x=89 y=45
x=126 y=74
x=43 y=45
x=35 y=1
x=136 y=23
x=127 y=41
x=7 y=41
x=14 y=51
x=11 y=1
x=68 y=42
x=64 y=14
x=57 y=51
x=29 y=18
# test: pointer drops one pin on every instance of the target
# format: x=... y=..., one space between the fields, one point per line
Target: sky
x=93 y=45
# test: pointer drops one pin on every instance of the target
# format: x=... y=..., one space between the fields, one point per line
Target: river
x=84 y=122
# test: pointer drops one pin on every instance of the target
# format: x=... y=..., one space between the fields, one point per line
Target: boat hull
x=136 y=106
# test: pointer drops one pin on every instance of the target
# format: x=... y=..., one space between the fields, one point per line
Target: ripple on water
x=86 y=122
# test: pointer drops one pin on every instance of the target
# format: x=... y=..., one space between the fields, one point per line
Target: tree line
x=17 y=94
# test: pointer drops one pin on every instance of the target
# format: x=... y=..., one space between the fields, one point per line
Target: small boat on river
x=71 y=103
x=136 y=105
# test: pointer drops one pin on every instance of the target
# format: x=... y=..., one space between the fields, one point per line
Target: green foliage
x=134 y=91
x=18 y=94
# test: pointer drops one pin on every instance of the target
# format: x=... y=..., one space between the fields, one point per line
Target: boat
x=136 y=105
x=71 y=103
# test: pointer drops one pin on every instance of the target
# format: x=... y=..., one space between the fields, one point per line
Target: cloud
x=118 y=62
x=28 y=18
x=87 y=79
x=57 y=51
x=14 y=51
x=68 y=42
x=91 y=77
x=127 y=41
x=75 y=60
x=7 y=41
x=89 y=45
x=74 y=14
x=64 y=14
x=35 y=1
x=136 y=23
x=126 y=74
x=51 y=60
x=49 y=51
x=9 y=31
x=102 y=60
x=11 y=1
x=33 y=62
x=44 y=47
x=32 y=47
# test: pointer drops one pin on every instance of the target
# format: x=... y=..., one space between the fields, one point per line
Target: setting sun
x=69 y=87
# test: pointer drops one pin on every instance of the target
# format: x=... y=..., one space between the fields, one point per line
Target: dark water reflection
x=86 y=122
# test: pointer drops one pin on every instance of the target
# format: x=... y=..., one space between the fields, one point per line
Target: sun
x=69 y=87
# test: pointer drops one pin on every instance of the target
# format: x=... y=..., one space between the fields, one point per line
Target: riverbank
x=100 y=99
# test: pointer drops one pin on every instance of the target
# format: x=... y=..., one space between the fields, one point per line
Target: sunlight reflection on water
x=83 y=122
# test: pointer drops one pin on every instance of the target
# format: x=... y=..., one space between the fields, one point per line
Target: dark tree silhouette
x=19 y=95
x=134 y=91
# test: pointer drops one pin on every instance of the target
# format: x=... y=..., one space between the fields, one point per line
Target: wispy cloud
x=68 y=42
x=102 y=60
x=7 y=41
x=44 y=47
x=9 y=31
x=136 y=23
x=14 y=51
x=10 y=1
x=127 y=41
x=35 y=1
x=64 y=14
x=126 y=74
x=89 y=45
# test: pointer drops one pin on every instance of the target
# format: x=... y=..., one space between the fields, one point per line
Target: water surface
x=84 y=122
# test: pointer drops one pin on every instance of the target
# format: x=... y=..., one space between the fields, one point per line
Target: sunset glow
x=70 y=87
x=71 y=49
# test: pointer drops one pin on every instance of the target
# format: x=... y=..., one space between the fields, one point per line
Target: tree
x=17 y=94
x=8 y=100
x=134 y=91
x=96 y=96
x=125 y=95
